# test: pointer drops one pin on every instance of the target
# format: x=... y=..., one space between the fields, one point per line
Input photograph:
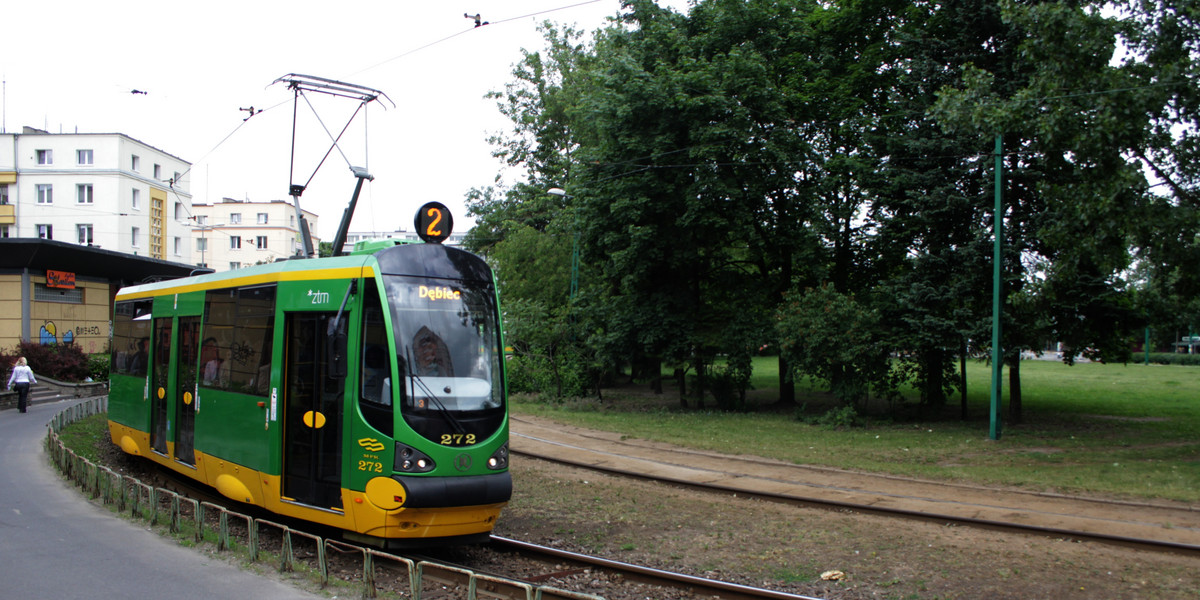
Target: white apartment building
x=231 y=234
x=105 y=190
x=354 y=237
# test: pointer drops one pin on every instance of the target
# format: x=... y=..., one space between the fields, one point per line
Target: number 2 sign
x=434 y=222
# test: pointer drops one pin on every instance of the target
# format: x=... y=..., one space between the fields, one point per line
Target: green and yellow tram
x=364 y=392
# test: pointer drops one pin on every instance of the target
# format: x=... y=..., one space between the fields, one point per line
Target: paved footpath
x=54 y=544
x=1174 y=524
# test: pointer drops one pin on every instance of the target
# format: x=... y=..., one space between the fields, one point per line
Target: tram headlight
x=499 y=459
x=411 y=460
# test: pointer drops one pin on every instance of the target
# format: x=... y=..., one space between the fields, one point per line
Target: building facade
x=100 y=190
x=354 y=237
x=54 y=292
x=231 y=234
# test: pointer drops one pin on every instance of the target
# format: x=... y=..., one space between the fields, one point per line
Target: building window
x=45 y=157
x=83 y=157
x=201 y=219
x=260 y=242
x=201 y=244
x=46 y=232
x=45 y=193
x=84 y=192
x=157 y=241
x=137 y=199
x=135 y=237
x=235 y=265
x=262 y=218
x=3 y=193
x=4 y=232
x=178 y=243
x=235 y=218
x=158 y=171
x=292 y=221
x=85 y=234
x=176 y=177
x=235 y=242
x=45 y=293
x=135 y=165
x=179 y=216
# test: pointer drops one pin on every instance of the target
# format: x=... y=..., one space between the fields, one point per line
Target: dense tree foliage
x=815 y=179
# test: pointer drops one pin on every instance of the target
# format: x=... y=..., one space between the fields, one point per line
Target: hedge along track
x=1160 y=527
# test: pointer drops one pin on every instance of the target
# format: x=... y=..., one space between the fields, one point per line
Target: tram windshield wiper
x=433 y=398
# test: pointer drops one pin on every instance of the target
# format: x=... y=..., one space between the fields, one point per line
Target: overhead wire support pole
x=294 y=190
x=299 y=83
x=997 y=305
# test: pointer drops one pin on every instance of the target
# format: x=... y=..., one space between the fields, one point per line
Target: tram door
x=185 y=392
x=160 y=379
x=312 y=414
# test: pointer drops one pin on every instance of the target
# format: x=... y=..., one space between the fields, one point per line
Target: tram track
x=1154 y=526
x=699 y=586
x=509 y=566
x=617 y=584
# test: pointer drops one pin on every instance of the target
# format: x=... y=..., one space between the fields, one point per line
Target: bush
x=530 y=374
x=843 y=417
x=1168 y=358
x=64 y=362
x=98 y=366
x=728 y=386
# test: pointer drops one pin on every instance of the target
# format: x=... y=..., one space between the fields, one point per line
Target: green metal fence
x=161 y=506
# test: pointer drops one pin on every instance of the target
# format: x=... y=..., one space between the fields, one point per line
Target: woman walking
x=21 y=378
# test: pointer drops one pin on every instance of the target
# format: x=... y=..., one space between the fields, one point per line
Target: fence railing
x=131 y=496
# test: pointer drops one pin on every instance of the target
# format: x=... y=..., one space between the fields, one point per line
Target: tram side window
x=131 y=337
x=235 y=347
x=375 y=397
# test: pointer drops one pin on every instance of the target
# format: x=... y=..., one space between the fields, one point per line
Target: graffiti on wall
x=49 y=334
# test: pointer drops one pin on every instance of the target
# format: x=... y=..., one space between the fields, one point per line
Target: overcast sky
x=71 y=66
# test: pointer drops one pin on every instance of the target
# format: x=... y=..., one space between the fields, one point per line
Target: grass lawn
x=1112 y=430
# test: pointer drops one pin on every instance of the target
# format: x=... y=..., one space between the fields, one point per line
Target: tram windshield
x=447 y=344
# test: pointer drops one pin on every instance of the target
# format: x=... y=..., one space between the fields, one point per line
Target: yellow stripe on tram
x=152 y=290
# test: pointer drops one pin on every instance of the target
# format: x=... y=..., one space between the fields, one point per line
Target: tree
x=1071 y=193
x=827 y=334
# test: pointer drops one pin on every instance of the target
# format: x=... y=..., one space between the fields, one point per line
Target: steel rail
x=708 y=587
x=1141 y=543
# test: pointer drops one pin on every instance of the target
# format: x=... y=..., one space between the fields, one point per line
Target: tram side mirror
x=337 y=354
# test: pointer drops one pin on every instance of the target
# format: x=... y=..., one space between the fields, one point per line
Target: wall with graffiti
x=80 y=317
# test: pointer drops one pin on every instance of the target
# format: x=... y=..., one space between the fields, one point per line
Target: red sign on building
x=60 y=279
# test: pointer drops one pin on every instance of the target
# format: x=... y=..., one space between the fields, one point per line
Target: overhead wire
x=468 y=30
x=381 y=63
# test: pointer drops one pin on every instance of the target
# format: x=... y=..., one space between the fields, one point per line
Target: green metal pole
x=997 y=354
x=575 y=263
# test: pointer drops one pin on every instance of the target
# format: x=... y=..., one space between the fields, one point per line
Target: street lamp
x=575 y=246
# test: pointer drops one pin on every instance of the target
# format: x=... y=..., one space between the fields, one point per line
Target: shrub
x=97 y=365
x=528 y=375
x=1168 y=358
x=64 y=362
x=839 y=418
x=531 y=374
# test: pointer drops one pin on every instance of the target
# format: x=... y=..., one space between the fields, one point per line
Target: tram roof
x=286 y=270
